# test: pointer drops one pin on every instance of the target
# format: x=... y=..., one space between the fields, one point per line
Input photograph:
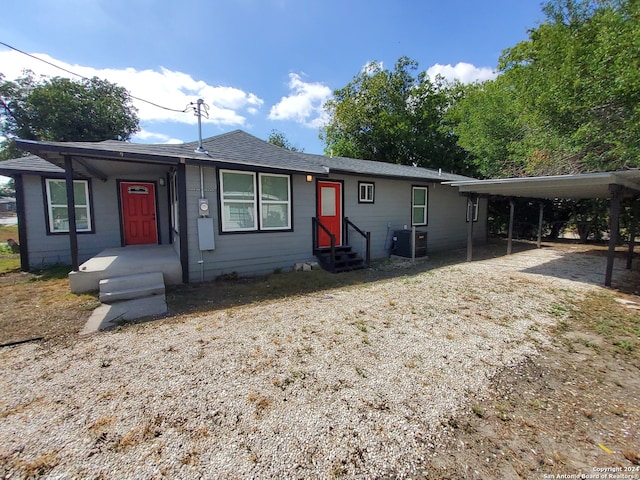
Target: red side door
x=138 y=200
x=329 y=198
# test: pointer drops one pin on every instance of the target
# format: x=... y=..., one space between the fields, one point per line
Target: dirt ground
x=571 y=411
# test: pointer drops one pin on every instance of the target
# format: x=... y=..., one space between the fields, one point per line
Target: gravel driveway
x=356 y=382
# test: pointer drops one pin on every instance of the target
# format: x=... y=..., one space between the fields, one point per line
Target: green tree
x=59 y=109
x=279 y=139
x=8 y=189
x=567 y=99
x=394 y=116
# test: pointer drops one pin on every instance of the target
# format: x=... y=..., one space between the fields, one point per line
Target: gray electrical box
x=205 y=234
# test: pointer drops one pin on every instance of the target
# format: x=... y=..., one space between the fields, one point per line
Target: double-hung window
x=365 y=192
x=419 y=197
x=275 y=207
x=254 y=202
x=57 y=210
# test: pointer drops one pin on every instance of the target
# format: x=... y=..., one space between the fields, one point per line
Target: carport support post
x=614 y=220
x=633 y=228
x=71 y=212
x=471 y=199
x=540 y=217
x=512 y=207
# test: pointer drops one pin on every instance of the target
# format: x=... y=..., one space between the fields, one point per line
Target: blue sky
x=259 y=64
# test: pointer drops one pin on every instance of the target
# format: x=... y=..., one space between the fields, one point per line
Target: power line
x=86 y=78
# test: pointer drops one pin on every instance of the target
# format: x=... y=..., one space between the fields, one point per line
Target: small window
x=472 y=205
x=57 y=211
x=365 y=192
x=419 y=199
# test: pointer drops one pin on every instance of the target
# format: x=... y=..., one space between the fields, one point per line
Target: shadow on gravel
x=232 y=292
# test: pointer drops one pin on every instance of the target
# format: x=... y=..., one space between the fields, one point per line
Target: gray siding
x=261 y=253
x=48 y=249
x=391 y=210
x=248 y=253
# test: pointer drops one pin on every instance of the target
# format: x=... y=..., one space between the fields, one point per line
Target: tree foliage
x=279 y=139
x=567 y=99
x=8 y=189
x=394 y=116
x=59 y=109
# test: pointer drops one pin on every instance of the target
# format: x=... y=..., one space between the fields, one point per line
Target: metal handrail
x=367 y=236
x=315 y=223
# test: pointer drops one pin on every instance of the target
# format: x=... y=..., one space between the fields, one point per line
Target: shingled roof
x=233 y=148
x=29 y=164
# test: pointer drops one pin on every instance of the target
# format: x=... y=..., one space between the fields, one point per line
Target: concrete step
x=130 y=287
x=110 y=315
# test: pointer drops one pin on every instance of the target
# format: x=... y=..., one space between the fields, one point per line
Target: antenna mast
x=199 y=112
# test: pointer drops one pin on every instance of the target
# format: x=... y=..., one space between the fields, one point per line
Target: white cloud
x=152 y=137
x=175 y=90
x=304 y=104
x=464 y=72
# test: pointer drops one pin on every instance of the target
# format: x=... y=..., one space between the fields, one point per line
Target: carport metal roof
x=579 y=186
x=613 y=185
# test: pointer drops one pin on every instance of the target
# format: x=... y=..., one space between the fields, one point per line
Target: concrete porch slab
x=118 y=262
x=107 y=316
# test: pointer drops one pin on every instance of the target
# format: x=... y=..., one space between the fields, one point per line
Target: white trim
x=51 y=206
x=223 y=201
x=425 y=206
x=275 y=202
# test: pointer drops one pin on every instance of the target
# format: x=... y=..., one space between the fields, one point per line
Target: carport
x=614 y=186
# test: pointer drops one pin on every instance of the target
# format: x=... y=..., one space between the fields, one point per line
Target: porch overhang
x=609 y=185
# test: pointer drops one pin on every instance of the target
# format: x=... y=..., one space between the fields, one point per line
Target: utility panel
x=205 y=234
x=402 y=243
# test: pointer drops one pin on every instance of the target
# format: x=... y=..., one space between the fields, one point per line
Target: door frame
x=340 y=183
x=119 y=182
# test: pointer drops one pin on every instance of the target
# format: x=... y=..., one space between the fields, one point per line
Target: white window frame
x=254 y=202
x=275 y=202
x=475 y=209
x=51 y=206
x=425 y=217
x=368 y=188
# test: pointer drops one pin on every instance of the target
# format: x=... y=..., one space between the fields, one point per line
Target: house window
x=57 y=211
x=238 y=192
x=253 y=202
x=419 y=205
x=365 y=192
x=472 y=206
x=275 y=209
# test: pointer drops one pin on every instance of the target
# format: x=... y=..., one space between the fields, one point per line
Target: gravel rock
x=357 y=382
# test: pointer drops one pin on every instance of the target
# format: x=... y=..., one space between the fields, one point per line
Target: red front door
x=329 y=212
x=138 y=201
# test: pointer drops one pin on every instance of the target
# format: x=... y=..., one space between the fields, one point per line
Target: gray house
x=233 y=204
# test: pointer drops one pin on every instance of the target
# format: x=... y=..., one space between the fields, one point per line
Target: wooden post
x=22 y=223
x=470 y=212
x=633 y=228
x=540 y=217
x=512 y=207
x=71 y=212
x=181 y=186
x=614 y=220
